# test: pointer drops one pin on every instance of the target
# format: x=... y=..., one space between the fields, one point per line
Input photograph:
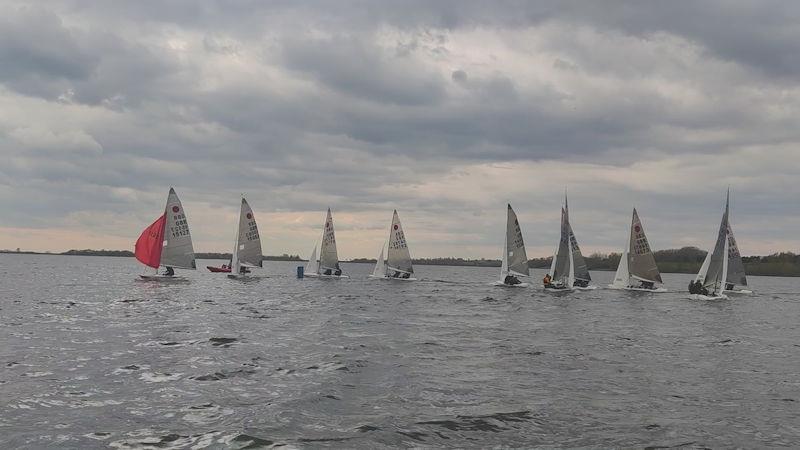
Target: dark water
x=91 y=359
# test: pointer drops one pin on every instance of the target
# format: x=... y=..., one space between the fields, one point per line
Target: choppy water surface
x=90 y=358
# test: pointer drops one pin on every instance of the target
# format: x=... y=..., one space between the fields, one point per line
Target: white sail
x=622 y=276
x=313 y=265
x=398 y=258
x=380 y=266
x=641 y=262
x=724 y=275
x=563 y=259
x=248 y=241
x=515 y=260
x=328 y=256
x=701 y=275
x=571 y=276
x=178 y=251
x=552 y=270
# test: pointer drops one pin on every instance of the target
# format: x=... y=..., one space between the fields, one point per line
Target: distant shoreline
x=685 y=260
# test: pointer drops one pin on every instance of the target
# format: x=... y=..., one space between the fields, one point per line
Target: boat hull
x=558 y=290
x=218 y=269
x=383 y=277
x=519 y=285
x=591 y=287
x=319 y=275
x=635 y=289
x=707 y=297
x=162 y=278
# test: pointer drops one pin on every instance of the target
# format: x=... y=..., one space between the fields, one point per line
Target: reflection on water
x=90 y=358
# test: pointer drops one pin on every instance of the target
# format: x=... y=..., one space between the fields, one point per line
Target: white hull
x=636 y=289
x=384 y=277
x=591 y=287
x=319 y=275
x=565 y=289
x=163 y=278
x=520 y=285
x=707 y=297
x=739 y=292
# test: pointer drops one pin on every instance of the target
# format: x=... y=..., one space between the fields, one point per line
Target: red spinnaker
x=151 y=242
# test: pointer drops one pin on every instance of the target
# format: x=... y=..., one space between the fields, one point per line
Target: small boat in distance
x=398 y=262
x=247 y=248
x=328 y=264
x=637 y=270
x=166 y=242
x=515 y=260
x=225 y=268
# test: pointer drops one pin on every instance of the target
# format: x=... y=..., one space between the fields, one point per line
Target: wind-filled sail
x=398 y=258
x=178 y=250
x=581 y=269
x=515 y=261
x=313 y=265
x=641 y=262
x=622 y=276
x=736 y=274
x=380 y=266
x=718 y=256
x=248 y=242
x=561 y=268
x=150 y=243
x=328 y=257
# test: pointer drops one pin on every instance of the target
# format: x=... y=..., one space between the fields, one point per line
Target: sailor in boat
x=547 y=281
x=582 y=283
x=511 y=280
x=728 y=286
x=170 y=272
x=696 y=287
x=328 y=272
x=338 y=272
x=647 y=285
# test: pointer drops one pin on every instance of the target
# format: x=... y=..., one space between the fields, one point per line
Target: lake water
x=90 y=358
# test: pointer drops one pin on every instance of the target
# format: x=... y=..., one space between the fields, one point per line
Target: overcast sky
x=443 y=110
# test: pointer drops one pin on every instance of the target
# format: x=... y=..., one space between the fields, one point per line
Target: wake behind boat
x=247 y=247
x=328 y=264
x=166 y=242
x=637 y=270
x=515 y=260
x=398 y=263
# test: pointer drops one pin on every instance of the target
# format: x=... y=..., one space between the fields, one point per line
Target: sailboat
x=515 y=260
x=637 y=270
x=398 y=261
x=167 y=242
x=247 y=249
x=562 y=269
x=328 y=264
x=722 y=268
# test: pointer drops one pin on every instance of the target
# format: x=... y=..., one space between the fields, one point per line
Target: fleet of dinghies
x=167 y=243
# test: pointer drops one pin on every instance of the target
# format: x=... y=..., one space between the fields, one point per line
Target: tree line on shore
x=683 y=260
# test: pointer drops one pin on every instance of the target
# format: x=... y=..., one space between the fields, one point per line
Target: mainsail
x=328 y=257
x=560 y=270
x=248 y=242
x=515 y=261
x=641 y=262
x=581 y=269
x=736 y=274
x=399 y=258
x=167 y=241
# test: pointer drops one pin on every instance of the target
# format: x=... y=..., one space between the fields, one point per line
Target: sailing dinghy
x=398 y=261
x=167 y=242
x=637 y=270
x=328 y=264
x=247 y=249
x=722 y=268
x=515 y=260
x=561 y=276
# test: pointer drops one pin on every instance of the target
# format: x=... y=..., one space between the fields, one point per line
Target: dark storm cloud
x=364 y=105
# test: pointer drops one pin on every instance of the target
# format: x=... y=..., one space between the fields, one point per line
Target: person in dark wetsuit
x=693 y=287
x=406 y=275
x=511 y=280
x=581 y=283
x=170 y=272
x=328 y=272
x=647 y=285
x=338 y=272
